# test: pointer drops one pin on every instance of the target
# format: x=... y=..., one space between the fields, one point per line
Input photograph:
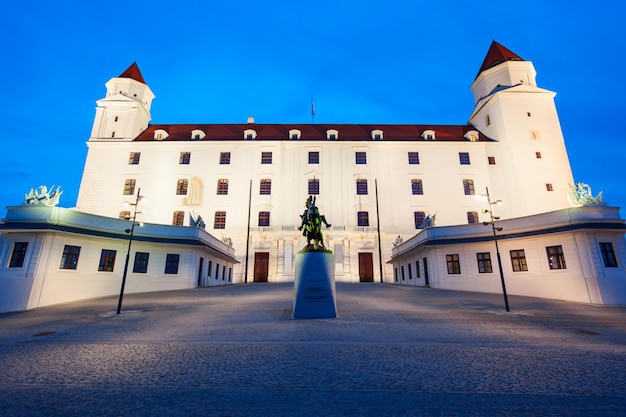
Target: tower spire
x=497 y=54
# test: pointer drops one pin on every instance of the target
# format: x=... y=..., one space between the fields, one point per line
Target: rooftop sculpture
x=580 y=196
x=43 y=197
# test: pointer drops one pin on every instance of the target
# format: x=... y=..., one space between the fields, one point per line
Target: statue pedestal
x=314 y=285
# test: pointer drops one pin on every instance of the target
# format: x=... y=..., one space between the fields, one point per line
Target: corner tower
x=533 y=170
x=125 y=111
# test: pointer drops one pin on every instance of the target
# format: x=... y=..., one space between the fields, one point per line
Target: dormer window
x=295 y=134
x=428 y=134
x=197 y=134
x=160 y=134
x=377 y=134
x=332 y=134
x=249 y=134
x=472 y=136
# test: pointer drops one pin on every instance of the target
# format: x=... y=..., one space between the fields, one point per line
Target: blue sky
x=364 y=61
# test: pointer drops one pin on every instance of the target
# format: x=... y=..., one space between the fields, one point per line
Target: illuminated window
x=363 y=218
x=224 y=158
x=361 y=187
x=464 y=158
x=220 y=220
x=182 y=186
x=264 y=218
x=484 y=262
x=19 y=255
x=140 y=265
x=134 y=158
x=125 y=214
x=556 y=258
x=418 y=218
x=185 y=158
x=361 y=158
x=222 y=186
x=265 y=187
x=314 y=186
x=266 y=157
x=171 y=263
x=107 y=260
x=453 y=264
x=129 y=187
x=69 y=259
x=468 y=187
x=416 y=187
x=472 y=217
x=179 y=218
x=518 y=260
x=414 y=158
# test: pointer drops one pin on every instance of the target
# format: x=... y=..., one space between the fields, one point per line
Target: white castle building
x=402 y=199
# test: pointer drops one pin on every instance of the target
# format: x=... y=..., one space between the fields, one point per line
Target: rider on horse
x=312 y=224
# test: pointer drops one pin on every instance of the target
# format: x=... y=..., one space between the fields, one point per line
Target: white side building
x=372 y=182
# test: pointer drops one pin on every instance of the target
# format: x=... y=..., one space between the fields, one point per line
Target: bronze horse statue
x=311 y=224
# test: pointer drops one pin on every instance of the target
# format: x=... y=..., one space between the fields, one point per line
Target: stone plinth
x=314 y=285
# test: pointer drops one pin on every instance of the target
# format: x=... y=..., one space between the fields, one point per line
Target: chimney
x=250 y=120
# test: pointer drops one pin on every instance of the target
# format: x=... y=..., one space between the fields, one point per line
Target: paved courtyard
x=393 y=351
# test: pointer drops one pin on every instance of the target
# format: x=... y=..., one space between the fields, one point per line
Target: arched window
x=249 y=134
x=160 y=134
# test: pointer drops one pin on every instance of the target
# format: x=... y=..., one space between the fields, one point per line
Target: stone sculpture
x=43 y=197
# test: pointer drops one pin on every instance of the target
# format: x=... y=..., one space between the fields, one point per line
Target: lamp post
x=495 y=239
x=130 y=230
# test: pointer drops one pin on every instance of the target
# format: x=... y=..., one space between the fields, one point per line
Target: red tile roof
x=497 y=54
x=310 y=132
x=133 y=72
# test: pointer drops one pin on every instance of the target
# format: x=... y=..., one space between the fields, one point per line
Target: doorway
x=200 y=268
x=366 y=267
x=261 y=265
x=426 y=283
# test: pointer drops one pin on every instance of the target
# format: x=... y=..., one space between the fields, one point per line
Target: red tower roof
x=133 y=72
x=497 y=54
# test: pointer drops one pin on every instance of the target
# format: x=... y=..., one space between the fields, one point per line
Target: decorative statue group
x=311 y=225
x=43 y=197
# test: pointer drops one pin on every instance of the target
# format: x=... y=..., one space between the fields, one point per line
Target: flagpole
x=312 y=111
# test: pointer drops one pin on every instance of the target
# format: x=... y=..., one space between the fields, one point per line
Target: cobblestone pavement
x=393 y=351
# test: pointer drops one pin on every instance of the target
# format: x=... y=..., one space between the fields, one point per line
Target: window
x=417 y=269
x=265 y=187
x=418 y=217
x=113 y=134
x=294 y=134
x=224 y=158
x=220 y=220
x=468 y=187
x=134 y=158
x=210 y=269
x=125 y=214
x=171 y=263
x=428 y=134
x=314 y=186
x=181 y=187
x=472 y=217
x=69 y=259
x=129 y=187
x=197 y=134
x=491 y=160
x=141 y=262
x=484 y=262
x=19 y=255
x=332 y=134
x=179 y=218
x=414 y=158
x=116 y=118
x=362 y=218
x=222 y=186
x=608 y=254
x=314 y=157
x=185 y=158
x=487 y=120
x=361 y=158
x=377 y=134
x=538 y=155
x=264 y=218
x=549 y=187
x=361 y=187
x=454 y=266
x=410 y=271
x=416 y=187
x=464 y=158
x=266 y=157
x=107 y=260
x=556 y=259
x=402 y=272
x=249 y=134
x=518 y=260
x=534 y=134
x=160 y=134
x=528 y=114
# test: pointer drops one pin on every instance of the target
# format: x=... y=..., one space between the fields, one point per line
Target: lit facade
x=373 y=182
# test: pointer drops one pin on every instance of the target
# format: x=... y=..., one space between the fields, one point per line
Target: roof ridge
x=133 y=72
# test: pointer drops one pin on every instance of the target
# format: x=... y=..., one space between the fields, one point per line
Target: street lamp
x=495 y=239
x=130 y=230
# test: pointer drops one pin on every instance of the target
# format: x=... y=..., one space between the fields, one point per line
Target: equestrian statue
x=311 y=225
